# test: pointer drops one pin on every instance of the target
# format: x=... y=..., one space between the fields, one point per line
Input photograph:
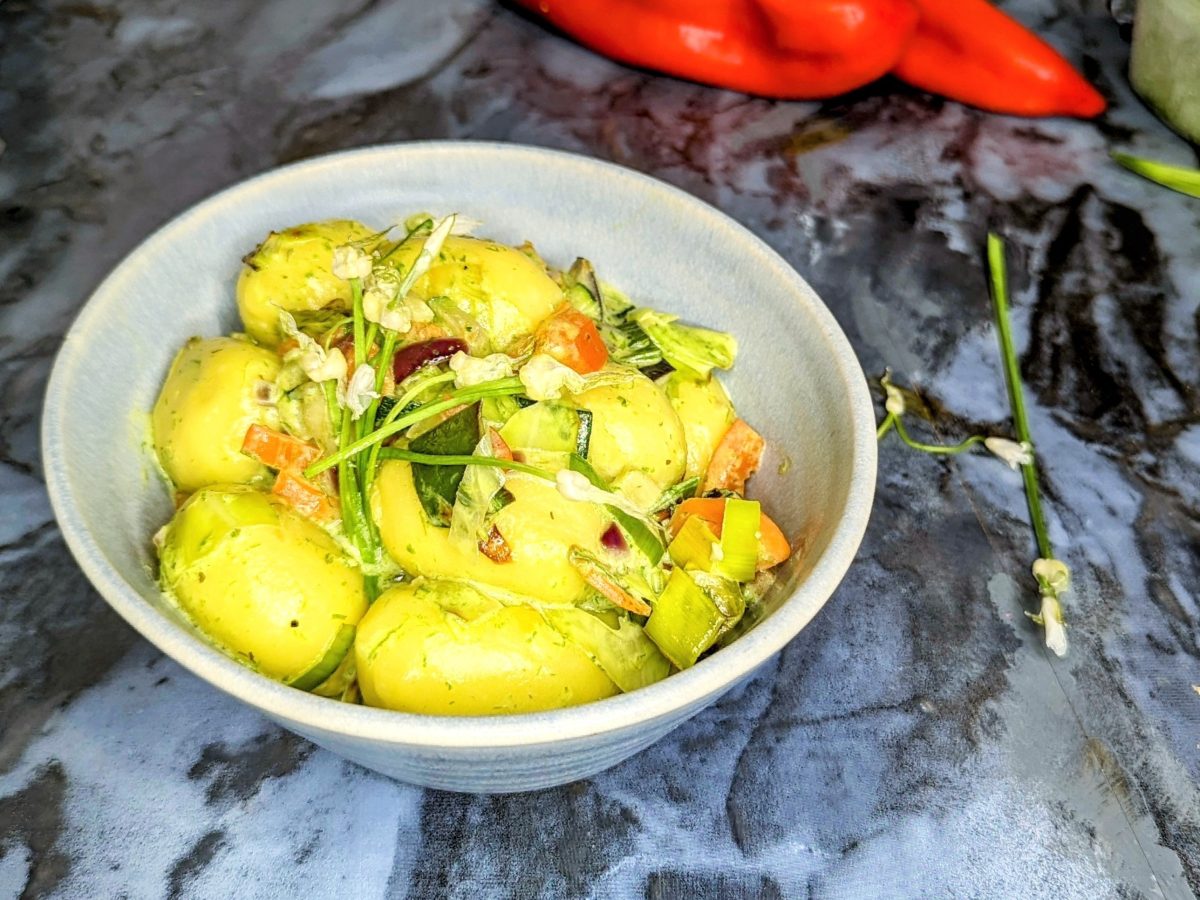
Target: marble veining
x=914 y=741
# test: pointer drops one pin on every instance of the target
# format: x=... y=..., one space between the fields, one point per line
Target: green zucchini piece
x=543 y=426
x=583 y=438
x=315 y=676
x=437 y=486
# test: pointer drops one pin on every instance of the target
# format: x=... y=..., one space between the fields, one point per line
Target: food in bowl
x=436 y=474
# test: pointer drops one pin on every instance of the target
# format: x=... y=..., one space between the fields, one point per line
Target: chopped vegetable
x=739 y=540
x=676 y=494
x=322 y=669
x=699 y=350
x=600 y=578
x=692 y=547
x=304 y=496
x=736 y=458
x=622 y=650
x=437 y=486
x=773 y=545
x=495 y=547
x=1177 y=178
x=572 y=338
x=685 y=621
x=641 y=534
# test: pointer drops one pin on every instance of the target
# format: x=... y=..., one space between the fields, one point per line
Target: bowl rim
x=684 y=692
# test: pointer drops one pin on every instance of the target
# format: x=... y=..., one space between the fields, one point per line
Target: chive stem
x=501 y=387
x=940 y=449
x=434 y=459
x=1016 y=391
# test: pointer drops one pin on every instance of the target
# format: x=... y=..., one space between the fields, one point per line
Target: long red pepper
x=775 y=48
x=964 y=49
x=968 y=50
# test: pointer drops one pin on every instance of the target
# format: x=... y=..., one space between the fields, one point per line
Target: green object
x=342 y=644
x=549 y=427
x=437 y=485
x=1016 y=393
x=698 y=350
x=685 y=621
x=676 y=494
x=693 y=545
x=495 y=411
x=1177 y=178
x=739 y=539
x=639 y=534
x=625 y=653
x=1164 y=63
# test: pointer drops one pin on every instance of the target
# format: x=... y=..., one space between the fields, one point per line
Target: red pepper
x=963 y=49
x=777 y=48
x=970 y=51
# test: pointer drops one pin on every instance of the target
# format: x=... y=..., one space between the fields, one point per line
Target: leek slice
x=739 y=539
x=685 y=621
x=693 y=546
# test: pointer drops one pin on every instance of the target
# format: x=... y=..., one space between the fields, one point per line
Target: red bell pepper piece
x=776 y=48
x=970 y=51
x=573 y=339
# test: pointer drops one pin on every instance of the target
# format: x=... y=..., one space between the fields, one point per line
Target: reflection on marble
x=914 y=741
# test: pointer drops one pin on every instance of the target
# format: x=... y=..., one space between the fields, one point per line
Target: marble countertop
x=915 y=740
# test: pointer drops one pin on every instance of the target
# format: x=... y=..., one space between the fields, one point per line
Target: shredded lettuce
x=699 y=350
x=473 y=504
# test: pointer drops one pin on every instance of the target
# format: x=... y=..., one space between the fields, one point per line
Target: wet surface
x=915 y=740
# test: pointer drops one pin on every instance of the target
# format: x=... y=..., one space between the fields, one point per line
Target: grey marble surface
x=915 y=741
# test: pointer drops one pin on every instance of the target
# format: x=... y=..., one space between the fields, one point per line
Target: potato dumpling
x=706 y=413
x=443 y=648
x=261 y=580
x=502 y=288
x=293 y=270
x=204 y=408
x=635 y=428
x=540 y=526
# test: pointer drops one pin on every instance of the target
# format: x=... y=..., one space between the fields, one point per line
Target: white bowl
x=797 y=380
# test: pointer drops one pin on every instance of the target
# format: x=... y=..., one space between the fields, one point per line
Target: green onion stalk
x=1052 y=575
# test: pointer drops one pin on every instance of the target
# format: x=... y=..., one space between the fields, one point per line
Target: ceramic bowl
x=797 y=380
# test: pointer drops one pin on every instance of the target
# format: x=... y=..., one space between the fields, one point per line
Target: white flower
x=1011 y=452
x=360 y=390
x=1052 y=623
x=894 y=402
x=351 y=262
x=1054 y=579
x=469 y=370
x=545 y=378
x=1052 y=574
x=317 y=363
x=379 y=308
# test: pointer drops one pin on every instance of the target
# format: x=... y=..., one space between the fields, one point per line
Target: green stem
x=1016 y=391
x=885 y=426
x=434 y=459
x=360 y=342
x=940 y=449
x=502 y=387
x=406 y=398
